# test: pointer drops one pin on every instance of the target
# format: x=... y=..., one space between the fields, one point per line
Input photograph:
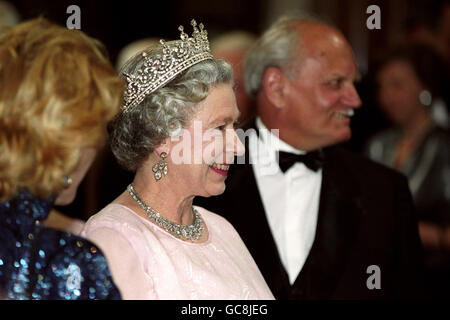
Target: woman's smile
x=221 y=169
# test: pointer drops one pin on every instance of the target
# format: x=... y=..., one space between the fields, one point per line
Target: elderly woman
x=176 y=132
x=57 y=91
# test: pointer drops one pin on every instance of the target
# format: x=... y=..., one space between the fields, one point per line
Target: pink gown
x=147 y=262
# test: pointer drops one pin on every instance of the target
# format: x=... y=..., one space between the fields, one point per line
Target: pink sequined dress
x=147 y=262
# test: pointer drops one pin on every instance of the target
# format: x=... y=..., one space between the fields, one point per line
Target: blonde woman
x=57 y=90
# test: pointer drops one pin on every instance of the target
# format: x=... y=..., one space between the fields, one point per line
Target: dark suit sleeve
x=408 y=269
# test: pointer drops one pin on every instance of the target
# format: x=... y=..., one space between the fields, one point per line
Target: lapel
x=252 y=225
x=340 y=209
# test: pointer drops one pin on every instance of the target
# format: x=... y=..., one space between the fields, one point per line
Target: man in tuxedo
x=320 y=222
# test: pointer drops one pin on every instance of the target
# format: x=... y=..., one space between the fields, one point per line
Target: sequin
x=23 y=262
x=74 y=278
x=37 y=262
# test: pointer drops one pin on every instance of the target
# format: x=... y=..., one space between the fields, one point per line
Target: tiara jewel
x=158 y=70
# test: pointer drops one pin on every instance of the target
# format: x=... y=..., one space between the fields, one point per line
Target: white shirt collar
x=266 y=148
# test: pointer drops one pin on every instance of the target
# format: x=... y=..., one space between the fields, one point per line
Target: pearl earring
x=67 y=181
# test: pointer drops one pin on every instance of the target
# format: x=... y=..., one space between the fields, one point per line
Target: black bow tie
x=313 y=160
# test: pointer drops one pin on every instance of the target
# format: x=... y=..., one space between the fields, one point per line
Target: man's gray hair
x=277 y=47
x=133 y=135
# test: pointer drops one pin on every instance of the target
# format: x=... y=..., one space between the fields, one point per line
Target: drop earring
x=160 y=168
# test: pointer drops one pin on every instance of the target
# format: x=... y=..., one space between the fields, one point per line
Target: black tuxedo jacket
x=366 y=217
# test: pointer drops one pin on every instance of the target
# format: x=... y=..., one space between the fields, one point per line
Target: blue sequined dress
x=37 y=262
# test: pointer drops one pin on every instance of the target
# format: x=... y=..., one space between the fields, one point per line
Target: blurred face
x=321 y=97
x=209 y=145
x=68 y=194
x=244 y=102
x=399 y=90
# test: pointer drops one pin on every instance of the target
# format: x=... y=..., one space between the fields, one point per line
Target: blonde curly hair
x=57 y=91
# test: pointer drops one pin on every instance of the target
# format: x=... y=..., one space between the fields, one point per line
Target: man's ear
x=274 y=86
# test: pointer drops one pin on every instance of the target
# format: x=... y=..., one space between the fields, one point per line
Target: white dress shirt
x=290 y=199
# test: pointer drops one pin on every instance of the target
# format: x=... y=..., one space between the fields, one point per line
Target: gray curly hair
x=134 y=134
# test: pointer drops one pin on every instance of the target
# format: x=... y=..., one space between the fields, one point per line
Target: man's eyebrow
x=339 y=76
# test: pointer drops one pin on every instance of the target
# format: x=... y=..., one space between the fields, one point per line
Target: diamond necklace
x=188 y=233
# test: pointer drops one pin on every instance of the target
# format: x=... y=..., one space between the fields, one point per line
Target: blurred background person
x=57 y=91
x=410 y=80
x=232 y=47
x=9 y=16
x=428 y=23
x=132 y=49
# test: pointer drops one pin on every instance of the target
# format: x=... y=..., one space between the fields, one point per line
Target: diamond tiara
x=158 y=70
